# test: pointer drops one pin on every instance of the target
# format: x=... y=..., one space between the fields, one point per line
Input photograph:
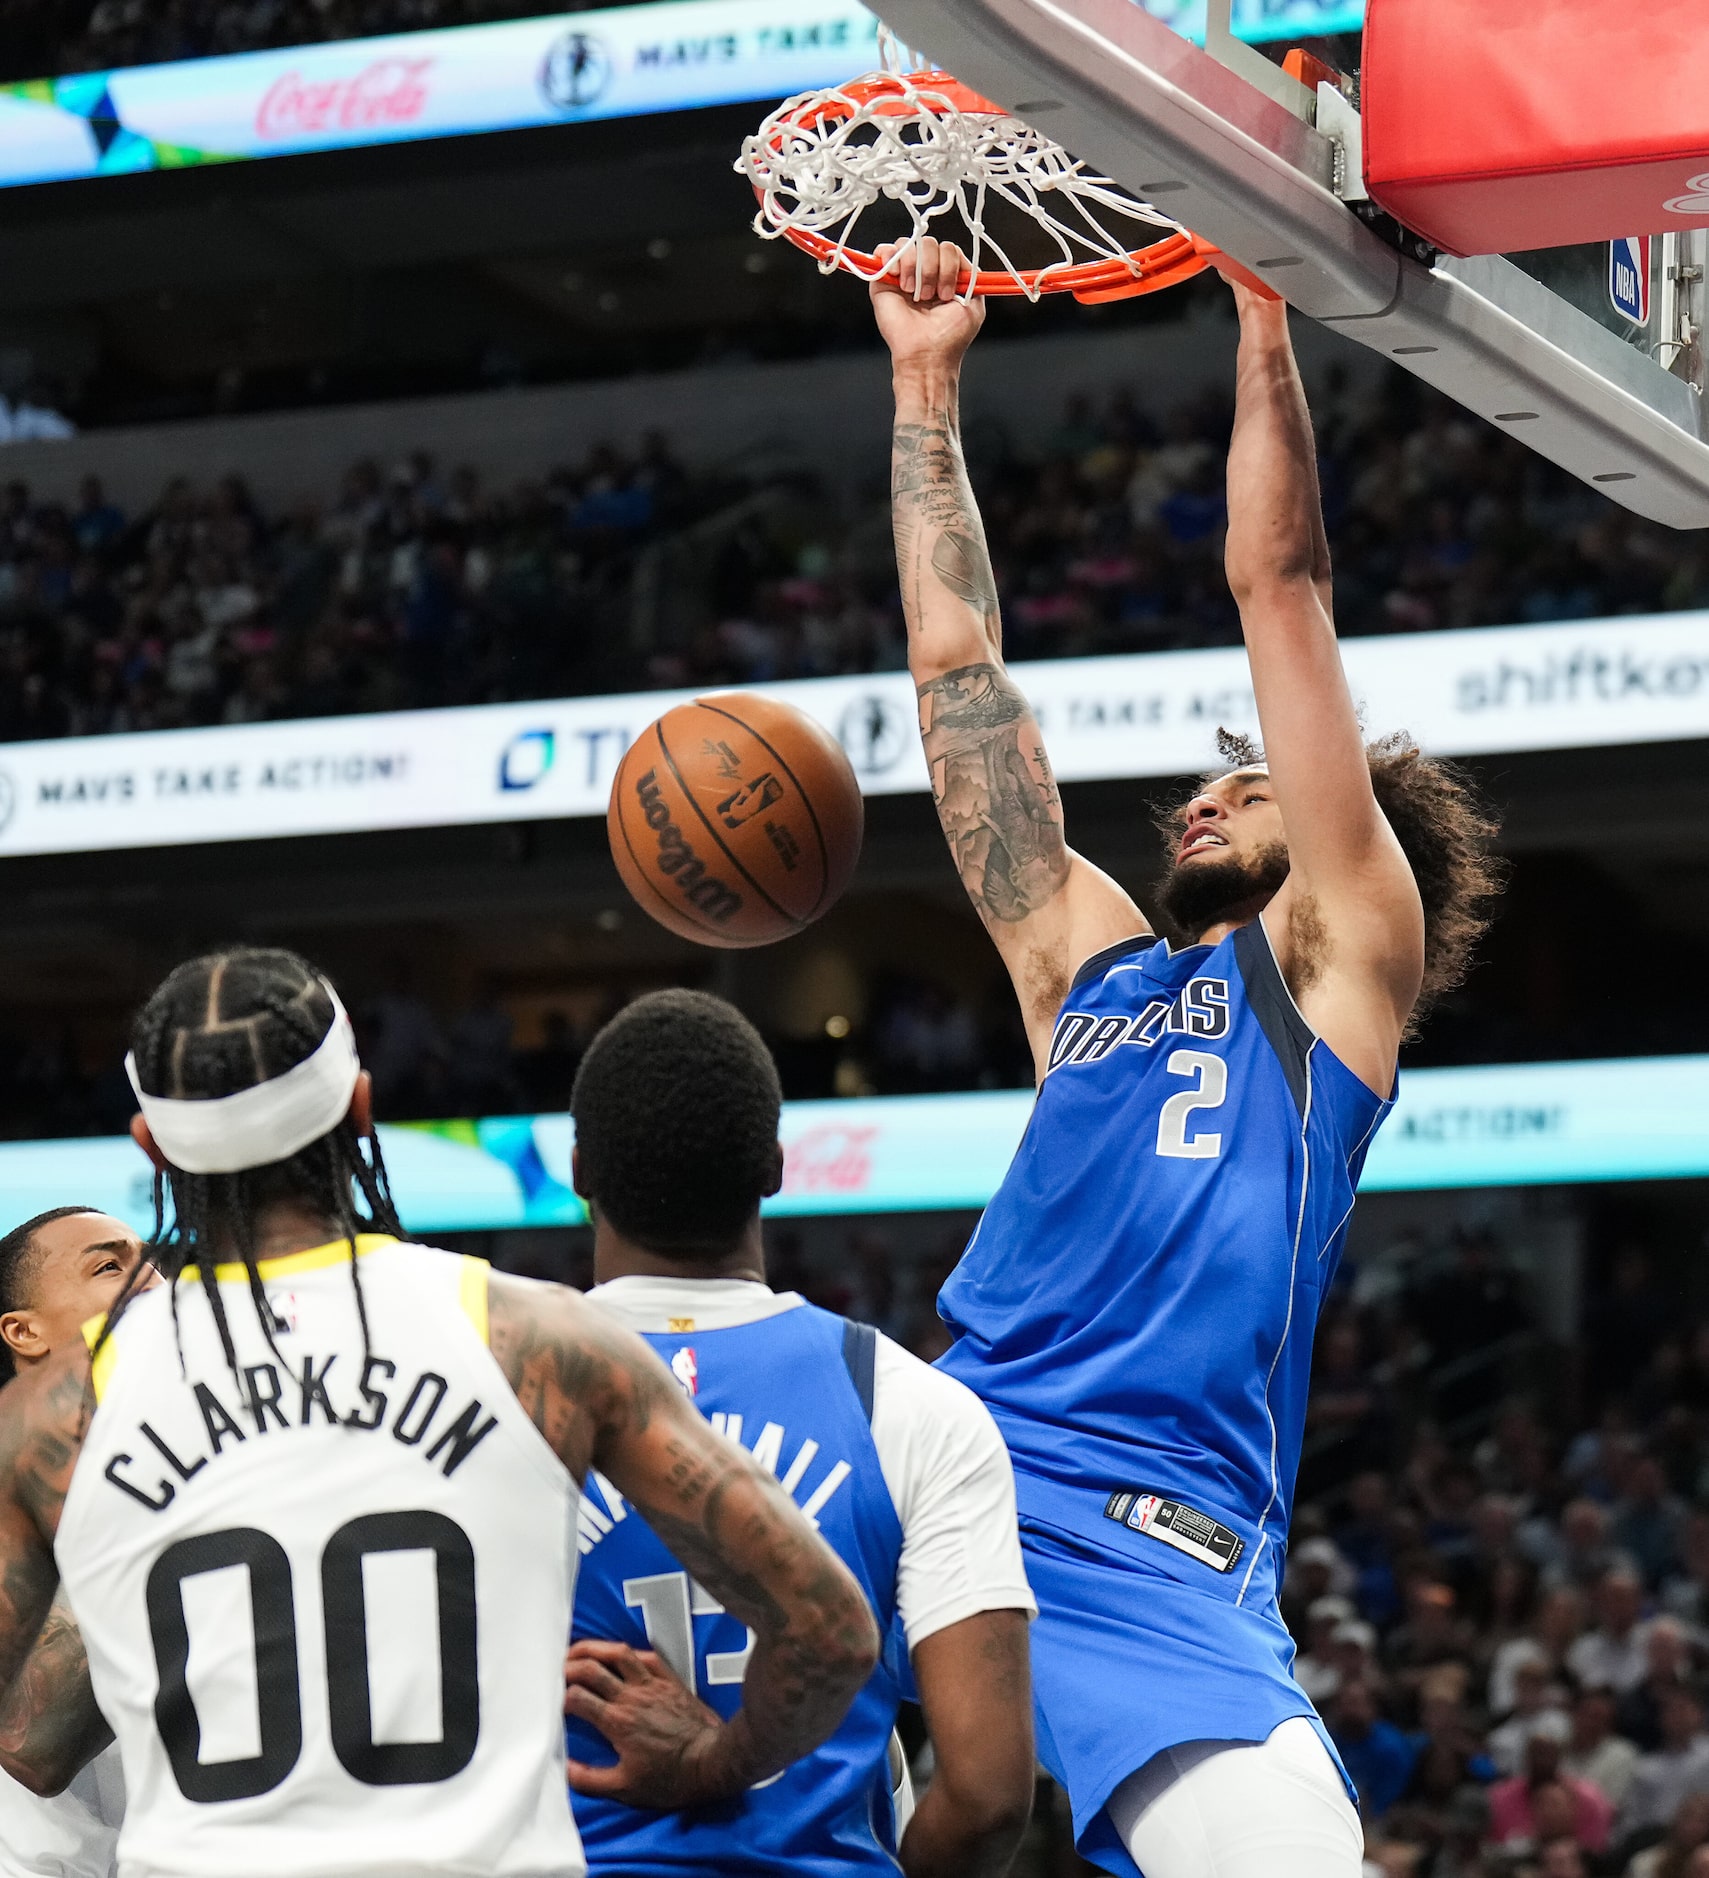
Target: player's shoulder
x=921 y=1411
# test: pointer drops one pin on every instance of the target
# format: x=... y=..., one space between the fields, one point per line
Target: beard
x=1196 y=895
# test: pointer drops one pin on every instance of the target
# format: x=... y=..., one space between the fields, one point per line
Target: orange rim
x=1164 y=263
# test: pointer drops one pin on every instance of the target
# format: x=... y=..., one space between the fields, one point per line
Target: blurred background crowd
x=417 y=583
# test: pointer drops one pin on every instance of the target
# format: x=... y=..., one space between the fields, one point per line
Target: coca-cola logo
x=832 y=1158
x=387 y=92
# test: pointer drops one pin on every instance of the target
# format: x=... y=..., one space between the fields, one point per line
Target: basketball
x=735 y=820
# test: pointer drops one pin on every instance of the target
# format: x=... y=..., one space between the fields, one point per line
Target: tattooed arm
x=43 y=1417
x=50 y=1728
x=1046 y=907
x=601 y=1398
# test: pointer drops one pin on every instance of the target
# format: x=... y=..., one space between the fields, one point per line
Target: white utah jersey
x=325 y=1609
x=72 y=1835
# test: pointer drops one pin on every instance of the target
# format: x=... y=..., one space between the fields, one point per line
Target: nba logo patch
x=1629 y=278
x=686 y=1369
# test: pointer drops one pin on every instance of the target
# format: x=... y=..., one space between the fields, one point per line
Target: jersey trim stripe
x=315 y=1259
x=1287 y=1327
x=1289 y=1035
x=101 y=1368
x=472 y=1295
x=1108 y=956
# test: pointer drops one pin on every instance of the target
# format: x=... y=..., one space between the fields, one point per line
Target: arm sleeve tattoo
x=50 y=1727
x=995 y=794
x=940 y=541
x=599 y=1395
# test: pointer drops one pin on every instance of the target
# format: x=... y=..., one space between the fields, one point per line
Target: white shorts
x=1271 y=1809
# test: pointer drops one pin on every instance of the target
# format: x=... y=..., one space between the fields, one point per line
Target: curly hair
x=1445 y=830
x=221 y=1023
x=676 y=1106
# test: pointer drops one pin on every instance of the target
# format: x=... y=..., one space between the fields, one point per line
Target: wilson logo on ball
x=678 y=859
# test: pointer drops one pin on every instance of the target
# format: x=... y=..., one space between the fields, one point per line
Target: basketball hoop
x=924 y=140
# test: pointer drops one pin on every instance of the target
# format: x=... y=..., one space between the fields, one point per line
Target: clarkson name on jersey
x=271 y=1412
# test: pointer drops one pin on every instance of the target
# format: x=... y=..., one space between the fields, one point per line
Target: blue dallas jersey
x=796 y=1389
x=1138 y=1303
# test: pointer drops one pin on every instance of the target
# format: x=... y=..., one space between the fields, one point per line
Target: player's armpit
x=601 y=1398
x=50 y=1726
x=975 y=1686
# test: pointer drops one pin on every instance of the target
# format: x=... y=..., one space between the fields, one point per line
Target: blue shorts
x=1131 y=1656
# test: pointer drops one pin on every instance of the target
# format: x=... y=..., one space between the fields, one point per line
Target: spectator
x=1612 y=1656
x=1378 y=1757
x=1667 y=1666
x=1542 y=1803
x=1649 y=1523
x=1681 y=1853
x=1432 y=1633
x=1581 y=1554
x=1315 y=1668
x=1537 y=1710
x=1678 y=1768
x=1686 y=1593
x=1559 y=1621
x=1595 y=1752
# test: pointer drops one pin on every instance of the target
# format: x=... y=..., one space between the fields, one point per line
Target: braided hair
x=222 y=1023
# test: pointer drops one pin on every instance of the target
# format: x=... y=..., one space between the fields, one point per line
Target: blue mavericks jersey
x=1138 y=1303
x=795 y=1389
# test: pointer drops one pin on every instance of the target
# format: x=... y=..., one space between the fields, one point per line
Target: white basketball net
x=824 y=157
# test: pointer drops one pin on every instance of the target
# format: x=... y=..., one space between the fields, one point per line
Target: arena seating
x=419 y=583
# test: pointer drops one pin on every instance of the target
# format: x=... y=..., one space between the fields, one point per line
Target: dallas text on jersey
x=1199 y=1009
x=409 y=1416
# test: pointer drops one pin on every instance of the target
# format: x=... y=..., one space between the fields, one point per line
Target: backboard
x=1246 y=156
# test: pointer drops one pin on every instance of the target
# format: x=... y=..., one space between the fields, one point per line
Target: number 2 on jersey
x=1209 y=1091
x=278 y=1687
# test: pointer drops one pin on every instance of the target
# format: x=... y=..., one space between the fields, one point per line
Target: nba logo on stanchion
x=1629 y=278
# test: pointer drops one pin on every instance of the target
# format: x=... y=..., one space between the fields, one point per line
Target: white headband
x=226 y=1134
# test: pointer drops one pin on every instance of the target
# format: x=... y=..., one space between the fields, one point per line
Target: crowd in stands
x=1501 y=1604
x=420 y=584
x=46 y=38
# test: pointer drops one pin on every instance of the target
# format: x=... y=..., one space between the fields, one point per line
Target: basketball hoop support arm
x=1184 y=131
x=1223 y=46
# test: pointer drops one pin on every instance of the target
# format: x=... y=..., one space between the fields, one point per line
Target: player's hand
x=918 y=314
x=1252 y=296
x=667 y=1740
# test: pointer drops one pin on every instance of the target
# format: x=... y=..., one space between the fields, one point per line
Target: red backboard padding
x=1495 y=125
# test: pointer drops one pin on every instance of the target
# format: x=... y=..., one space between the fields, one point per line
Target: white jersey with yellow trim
x=325 y=1606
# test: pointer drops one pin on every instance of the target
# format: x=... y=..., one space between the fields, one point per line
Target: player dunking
x=1137 y=1306
x=314 y=1502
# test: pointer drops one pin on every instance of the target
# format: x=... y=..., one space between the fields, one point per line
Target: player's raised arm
x=1046 y=907
x=601 y=1398
x=1348 y=925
